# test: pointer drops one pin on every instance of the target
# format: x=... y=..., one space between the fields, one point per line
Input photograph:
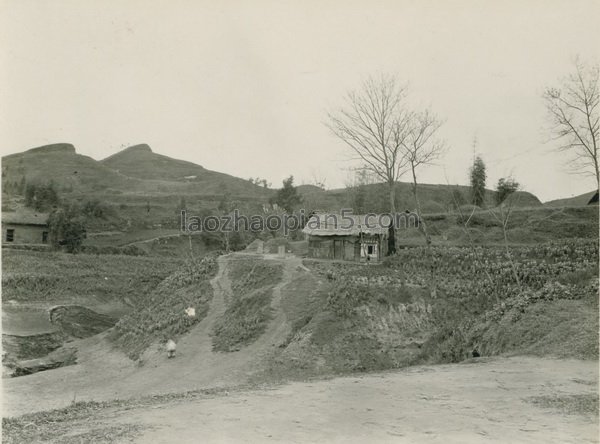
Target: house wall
x=379 y=245
x=347 y=248
x=333 y=247
x=24 y=234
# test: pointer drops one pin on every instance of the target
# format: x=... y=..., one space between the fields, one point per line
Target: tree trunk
x=391 y=228
x=422 y=224
x=392 y=186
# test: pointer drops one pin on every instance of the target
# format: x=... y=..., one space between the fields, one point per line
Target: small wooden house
x=358 y=238
x=25 y=227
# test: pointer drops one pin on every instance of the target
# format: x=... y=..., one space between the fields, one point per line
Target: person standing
x=171 y=347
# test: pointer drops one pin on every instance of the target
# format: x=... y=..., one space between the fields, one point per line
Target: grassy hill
x=60 y=163
x=434 y=198
x=140 y=162
x=143 y=190
x=133 y=171
x=575 y=201
x=137 y=188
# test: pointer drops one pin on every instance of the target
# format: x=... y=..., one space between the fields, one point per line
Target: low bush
x=249 y=308
x=244 y=321
x=30 y=276
x=162 y=314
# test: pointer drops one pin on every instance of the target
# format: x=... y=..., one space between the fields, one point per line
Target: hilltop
x=136 y=187
x=139 y=161
x=434 y=198
x=134 y=169
x=61 y=164
x=575 y=201
x=141 y=189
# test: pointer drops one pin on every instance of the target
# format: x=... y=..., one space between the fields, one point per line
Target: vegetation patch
x=80 y=322
x=443 y=304
x=29 y=276
x=30 y=347
x=350 y=317
x=53 y=425
x=584 y=404
x=162 y=315
x=244 y=321
x=539 y=300
x=249 y=310
x=249 y=275
x=62 y=426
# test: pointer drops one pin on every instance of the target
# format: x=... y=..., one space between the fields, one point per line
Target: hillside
x=135 y=169
x=261 y=318
x=60 y=163
x=139 y=161
x=136 y=187
x=575 y=201
x=434 y=198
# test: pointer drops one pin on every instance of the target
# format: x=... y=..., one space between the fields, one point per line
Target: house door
x=338 y=249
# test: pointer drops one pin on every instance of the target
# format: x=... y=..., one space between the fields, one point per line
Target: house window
x=370 y=249
x=10 y=235
x=44 y=237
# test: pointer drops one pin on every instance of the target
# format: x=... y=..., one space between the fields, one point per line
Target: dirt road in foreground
x=462 y=403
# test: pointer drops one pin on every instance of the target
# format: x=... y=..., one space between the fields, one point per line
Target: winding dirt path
x=104 y=373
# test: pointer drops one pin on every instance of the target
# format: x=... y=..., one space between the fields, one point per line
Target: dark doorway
x=338 y=249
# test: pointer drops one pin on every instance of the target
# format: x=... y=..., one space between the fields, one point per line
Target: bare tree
x=574 y=115
x=374 y=123
x=318 y=179
x=502 y=214
x=421 y=147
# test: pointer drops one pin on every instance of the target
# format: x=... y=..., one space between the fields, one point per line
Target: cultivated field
x=262 y=320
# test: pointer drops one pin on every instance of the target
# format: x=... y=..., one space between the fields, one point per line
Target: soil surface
x=461 y=403
x=485 y=400
x=104 y=373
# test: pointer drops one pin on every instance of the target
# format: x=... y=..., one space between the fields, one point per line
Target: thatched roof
x=25 y=217
x=348 y=225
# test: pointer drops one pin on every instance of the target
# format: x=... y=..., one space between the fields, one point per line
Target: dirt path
x=461 y=403
x=104 y=373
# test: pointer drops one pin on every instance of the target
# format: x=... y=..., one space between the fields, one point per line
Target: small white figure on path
x=190 y=311
x=171 y=346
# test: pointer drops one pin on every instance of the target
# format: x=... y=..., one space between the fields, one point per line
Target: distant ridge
x=575 y=201
x=133 y=175
x=141 y=162
x=140 y=148
x=61 y=164
x=52 y=148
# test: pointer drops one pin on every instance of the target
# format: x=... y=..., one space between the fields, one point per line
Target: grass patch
x=30 y=347
x=162 y=315
x=53 y=425
x=29 y=276
x=244 y=321
x=585 y=404
x=58 y=426
x=249 y=310
x=247 y=275
x=302 y=299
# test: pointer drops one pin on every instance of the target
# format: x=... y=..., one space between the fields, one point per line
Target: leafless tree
x=374 y=123
x=575 y=117
x=318 y=179
x=422 y=147
x=502 y=214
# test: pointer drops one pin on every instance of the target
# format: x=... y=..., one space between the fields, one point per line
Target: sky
x=243 y=87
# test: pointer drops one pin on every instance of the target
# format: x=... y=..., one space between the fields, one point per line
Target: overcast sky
x=243 y=87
